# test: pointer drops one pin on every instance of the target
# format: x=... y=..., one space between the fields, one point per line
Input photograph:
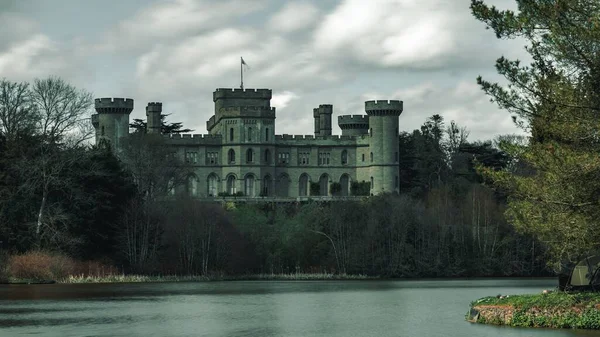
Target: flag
x=244 y=62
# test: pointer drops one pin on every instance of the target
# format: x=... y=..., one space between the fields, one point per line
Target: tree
x=139 y=126
x=556 y=98
x=18 y=114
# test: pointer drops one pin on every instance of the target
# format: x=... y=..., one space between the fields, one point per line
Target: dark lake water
x=260 y=308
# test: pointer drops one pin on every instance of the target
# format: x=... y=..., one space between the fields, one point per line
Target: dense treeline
x=59 y=194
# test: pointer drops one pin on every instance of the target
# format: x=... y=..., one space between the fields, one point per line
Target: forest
x=61 y=195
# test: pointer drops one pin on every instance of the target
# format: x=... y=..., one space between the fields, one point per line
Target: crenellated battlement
x=236 y=93
x=240 y=112
x=192 y=139
x=154 y=107
x=113 y=105
x=313 y=139
x=353 y=120
x=384 y=107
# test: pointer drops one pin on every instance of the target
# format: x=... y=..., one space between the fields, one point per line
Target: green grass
x=554 y=310
x=551 y=300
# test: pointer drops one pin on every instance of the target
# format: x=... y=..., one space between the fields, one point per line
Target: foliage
x=556 y=99
x=315 y=188
x=335 y=188
x=362 y=188
x=139 y=126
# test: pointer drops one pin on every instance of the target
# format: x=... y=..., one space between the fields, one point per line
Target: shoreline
x=135 y=278
x=577 y=310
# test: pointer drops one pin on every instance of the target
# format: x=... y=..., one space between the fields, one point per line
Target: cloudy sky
x=427 y=53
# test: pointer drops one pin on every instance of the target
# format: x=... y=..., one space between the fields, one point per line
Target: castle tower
x=354 y=125
x=112 y=119
x=322 y=116
x=383 y=144
x=153 y=111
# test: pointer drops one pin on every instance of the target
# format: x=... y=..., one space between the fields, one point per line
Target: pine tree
x=556 y=99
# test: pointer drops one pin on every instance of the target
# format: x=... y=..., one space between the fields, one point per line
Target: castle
x=242 y=154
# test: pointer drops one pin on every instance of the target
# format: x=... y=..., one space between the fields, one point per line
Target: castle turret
x=383 y=144
x=322 y=116
x=112 y=119
x=354 y=125
x=153 y=111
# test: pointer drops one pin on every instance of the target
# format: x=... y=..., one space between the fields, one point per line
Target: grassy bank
x=553 y=310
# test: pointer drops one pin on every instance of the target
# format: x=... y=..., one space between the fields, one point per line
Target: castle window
x=397 y=156
x=303 y=158
x=363 y=157
x=211 y=158
x=267 y=134
x=249 y=156
x=324 y=158
x=191 y=157
x=102 y=132
x=231 y=156
x=284 y=158
x=267 y=156
x=371 y=157
x=371 y=132
x=192 y=186
x=249 y=134
x=344 y=157
x=372 y=182
x=249 y=186
x=231 y=134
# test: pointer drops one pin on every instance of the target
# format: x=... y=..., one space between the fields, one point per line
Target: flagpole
x=242 y=72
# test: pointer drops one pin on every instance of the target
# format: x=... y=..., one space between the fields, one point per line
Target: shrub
x=3 y=266
x=40 y=265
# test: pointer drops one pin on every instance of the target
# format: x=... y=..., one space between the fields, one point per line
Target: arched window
x=372 y=182
x=267 y=134
x=267 y=156
x=231 y=184
x=212 y=185
x=231 y=134
x=249 y=134
x=344 y=157
x=267 y=186
x=231 y=156
x=192 y=186
x=324 y=185
x=249 y=156
x=371 y=157
x=249 y=186
x=303 y=185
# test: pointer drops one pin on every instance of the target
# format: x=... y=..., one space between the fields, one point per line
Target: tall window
x=372 y=182
x=267 y=156
x=363 y=157
x=212 y=185
x=249 y=186
x=249 y=156
x=371 y=157
x=231 y=156
x=344 y=157
x=267 y=134
x=249 y=134
x=192 y=186
x=397 y=156
x=231 y=134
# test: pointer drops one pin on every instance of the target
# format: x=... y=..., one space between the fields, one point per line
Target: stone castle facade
x=242 y=154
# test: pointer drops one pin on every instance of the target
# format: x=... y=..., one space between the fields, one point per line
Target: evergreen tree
x=139 y=126
x=556 y=98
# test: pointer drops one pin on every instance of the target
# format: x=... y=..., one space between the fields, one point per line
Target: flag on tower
x=244 y=62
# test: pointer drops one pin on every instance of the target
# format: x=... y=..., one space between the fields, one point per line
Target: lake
x=423 y=308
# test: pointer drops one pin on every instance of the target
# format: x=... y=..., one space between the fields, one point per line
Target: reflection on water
x=260 y=308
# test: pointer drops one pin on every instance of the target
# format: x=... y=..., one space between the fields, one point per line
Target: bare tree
x=17 y=112
x=60 y=107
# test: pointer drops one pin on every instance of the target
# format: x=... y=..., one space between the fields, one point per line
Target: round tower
x=383 y=144
x=354 y=125
x=112 y=119
x=153 y=111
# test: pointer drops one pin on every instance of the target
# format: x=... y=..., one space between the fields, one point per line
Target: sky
x=427 y=53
